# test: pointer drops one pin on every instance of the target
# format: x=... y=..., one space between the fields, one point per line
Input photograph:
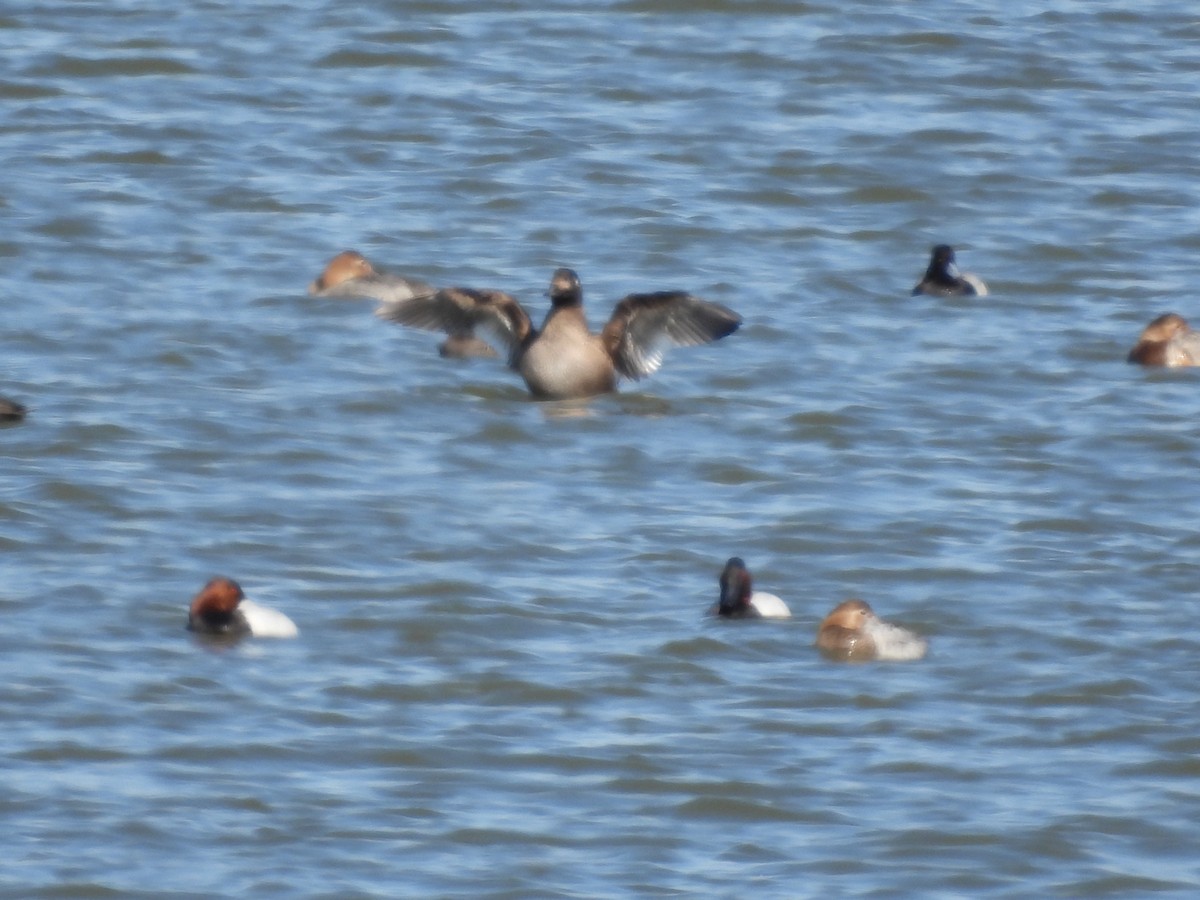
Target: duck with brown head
x=350 y=275
x=565 y=359
x=222 y=610
x=852 y=632
x=1167 y=341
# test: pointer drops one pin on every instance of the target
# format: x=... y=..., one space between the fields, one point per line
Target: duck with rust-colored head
x=739 y=600
x=222 y=610
x=350 y=275
x=854 y=633
x=1167 y=341
x=943 y=279
x=564 y=359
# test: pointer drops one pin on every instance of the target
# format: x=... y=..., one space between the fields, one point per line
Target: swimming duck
x=11 y=410
x=351 y=275
x=853 y=632
x=565 y=360
x=222 y=609
x=942 y=278
x=740 y=601
x=1167 y=341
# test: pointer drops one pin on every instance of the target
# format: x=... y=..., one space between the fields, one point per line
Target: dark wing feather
x=498 y=317
x=643 y=326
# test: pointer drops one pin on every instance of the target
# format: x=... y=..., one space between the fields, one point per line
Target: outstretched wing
x=643 y=326
x=496 y=316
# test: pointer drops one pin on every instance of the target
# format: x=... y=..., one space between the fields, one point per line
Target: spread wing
x=643 y=326
x=496 y=316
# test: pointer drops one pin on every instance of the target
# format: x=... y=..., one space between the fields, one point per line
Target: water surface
x=504 y=686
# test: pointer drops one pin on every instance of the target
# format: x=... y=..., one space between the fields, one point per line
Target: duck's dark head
x=565 y=289
x=736 y=587
x=942 y=267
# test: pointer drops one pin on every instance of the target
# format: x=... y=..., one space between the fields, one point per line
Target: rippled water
x=504 y=685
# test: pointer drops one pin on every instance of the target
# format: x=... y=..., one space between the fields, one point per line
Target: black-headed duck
x=565 y=359
x=943 y=279
x=739 y=600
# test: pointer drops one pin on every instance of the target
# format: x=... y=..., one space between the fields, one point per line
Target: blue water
x=504 y=685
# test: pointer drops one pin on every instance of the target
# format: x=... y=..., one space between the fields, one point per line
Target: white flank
x=893 y=642
x=265 y=622
x=976 y=282
x=769 y=606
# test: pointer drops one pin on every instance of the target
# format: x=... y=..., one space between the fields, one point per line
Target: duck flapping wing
x=643 y=326
x=495 y=316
